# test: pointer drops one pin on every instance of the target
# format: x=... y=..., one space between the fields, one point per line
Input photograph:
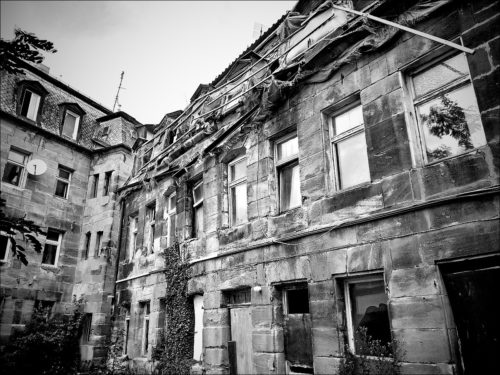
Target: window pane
x=26 y=103
x=238 y=170
x=61 y=189
x=348 y=120
x=49 y=254
x=4 y=242
x=239 y=203
x=369 y=312
x=440 y=75
x=289 y=187
x=353 y=161
x=198 y=193
x=451 y=124
x=288 y=148
x=17 y=157
x=198 y=221
x=52 y=235
x=171 y=202
x=12 y=174
x=69 y=125
x=64 y=173
x=33 y=106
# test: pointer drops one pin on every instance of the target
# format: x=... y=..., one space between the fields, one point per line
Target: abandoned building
x=341 y=173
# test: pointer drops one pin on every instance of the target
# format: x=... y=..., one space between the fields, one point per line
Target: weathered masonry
x=339 y=178
x=63 y=157
x=340 y=174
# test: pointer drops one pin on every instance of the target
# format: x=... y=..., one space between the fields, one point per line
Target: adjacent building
x=340 y=177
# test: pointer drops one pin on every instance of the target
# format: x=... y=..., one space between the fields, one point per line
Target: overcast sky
x=166 y=48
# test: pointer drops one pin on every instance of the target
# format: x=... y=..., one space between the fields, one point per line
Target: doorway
x=472 y=285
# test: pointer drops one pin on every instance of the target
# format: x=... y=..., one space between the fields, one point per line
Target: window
x=107 y=183
x=287 y=167
x=145 y=327
x=98 y=244
x=52 y=247
x=446 y=109
x=366 y=312
x=95 y=184
x=133 y=228
x=349 y=151
x=198 y=210
x=15 y=167
x=237 y=172
x=4 y=246
x=238 y=296
x=149 y=227
x=87 y=245
x=86 y=328
x=44 y=307
x=198 y=327
x=70 y=124
x=30 y=103
x=126 y=333
x=170 y=216
x=296 y=300
x=63 y=180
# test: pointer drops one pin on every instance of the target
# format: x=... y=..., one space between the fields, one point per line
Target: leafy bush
x=45 y=346
x=378 y=358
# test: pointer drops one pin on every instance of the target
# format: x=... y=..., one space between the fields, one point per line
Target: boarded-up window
x=237 y=297
x=198 y=327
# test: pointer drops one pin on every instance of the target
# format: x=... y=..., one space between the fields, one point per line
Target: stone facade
x=294 y=240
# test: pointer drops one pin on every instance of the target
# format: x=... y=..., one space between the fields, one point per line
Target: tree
x=26 y=47
x=20 y=227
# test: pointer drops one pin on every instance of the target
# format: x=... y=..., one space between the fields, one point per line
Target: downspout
x=120 y=235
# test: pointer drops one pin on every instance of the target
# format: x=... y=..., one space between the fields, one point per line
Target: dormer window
x=72 y=115
x=30 y=96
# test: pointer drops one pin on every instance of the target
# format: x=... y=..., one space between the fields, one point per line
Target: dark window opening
x=95 y=184
x=4 y=247
x=107 y=182
x=86 y=328
x=14 y=168
x=44 y=308
x=98 y=244
x=298 y=301
x=87 y=245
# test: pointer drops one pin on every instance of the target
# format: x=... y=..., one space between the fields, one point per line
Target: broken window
x=170 y=216
x=4 y=247
x=95 y=184
x=107 y=183
x=30 y=104
x=349 y=150
x=86 y=328
x=149 y=226
x=237 y=172
x=52 y=247
x=133 y=229
x=70 y=124
x=446 y=109
x=366 y=312
x=145 y=310
x=87 y=245
x=15 y=167
x=297 y=328
x=98 y=244
x=44 y=308
x=198 y=210
x=287 y=167
x=62 y=182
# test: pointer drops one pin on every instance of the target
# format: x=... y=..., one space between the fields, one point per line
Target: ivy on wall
x=174 y=353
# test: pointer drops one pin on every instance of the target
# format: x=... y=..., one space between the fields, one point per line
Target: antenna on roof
x=118 y=92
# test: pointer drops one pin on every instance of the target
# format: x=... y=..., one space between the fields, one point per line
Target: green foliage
x=173 y=355
x=45 y=346
x=25 y=46
x=20 y=227
x=378 y=358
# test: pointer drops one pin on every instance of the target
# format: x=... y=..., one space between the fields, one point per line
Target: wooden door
x=472 y=288
x=241 y=333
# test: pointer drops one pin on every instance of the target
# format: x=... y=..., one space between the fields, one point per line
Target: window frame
x=341 y=108
x=133 y=234
x=86 y=329
x=429 y=61
x=94 y=187
x=56 y=243
x=22 y=174
x=197 y=205
x=8 y=247
x=280 y=165
x=170 y=213
x=151 y=223
x=98 y=242
x=347 y=282
x=87 y=242
x=76 y=129
x=146 y=311
x=38 y=105
x=63 y=180
x=234 y=184
x=107 y=183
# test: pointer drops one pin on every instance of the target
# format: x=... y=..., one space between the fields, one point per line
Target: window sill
x=288 y=210
x=57 y=196
x=49 y=267
x=354 y=187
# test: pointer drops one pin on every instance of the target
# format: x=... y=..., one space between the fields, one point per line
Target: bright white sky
x=166 y=48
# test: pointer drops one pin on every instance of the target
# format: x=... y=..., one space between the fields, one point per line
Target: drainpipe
x=118 y=248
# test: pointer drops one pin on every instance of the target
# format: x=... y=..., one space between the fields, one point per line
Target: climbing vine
x=174 y=353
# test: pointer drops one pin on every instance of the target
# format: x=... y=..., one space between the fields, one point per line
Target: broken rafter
x=408 y=29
